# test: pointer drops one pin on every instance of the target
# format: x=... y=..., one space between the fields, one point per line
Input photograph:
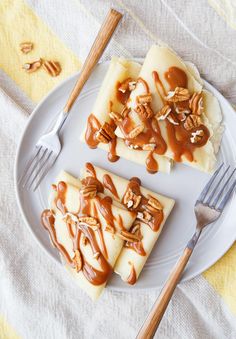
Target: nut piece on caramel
x=144 y=111
x=105 y=133
x=136 y=131
x=179 y=94
x=197 y=136
x=163 y=113
x=192 y=121
x=196 y=103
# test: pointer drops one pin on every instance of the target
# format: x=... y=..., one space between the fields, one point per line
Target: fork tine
x=36 y=162
x=42 y=163
x=216 y=186
x=29 y=164
x=227 y=196
x=222 y=189
x=49 y=165
x=208 y=185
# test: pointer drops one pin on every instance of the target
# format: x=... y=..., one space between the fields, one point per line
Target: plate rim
x=20 y=205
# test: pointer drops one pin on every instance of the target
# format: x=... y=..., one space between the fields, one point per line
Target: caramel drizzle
x=178 y=136
x=93 y=125
x=132 y=278
x=109 y=185
x=104 y=205
x=134 y=185
x=112 y=156
x=137 y=246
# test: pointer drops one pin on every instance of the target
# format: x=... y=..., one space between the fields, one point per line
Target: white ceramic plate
x=183 y=184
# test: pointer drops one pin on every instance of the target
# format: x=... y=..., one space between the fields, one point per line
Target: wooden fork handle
x=153 y=320
x=99 y=45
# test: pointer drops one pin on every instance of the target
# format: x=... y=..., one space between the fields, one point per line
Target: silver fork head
x=37 y=167
x=215 y=196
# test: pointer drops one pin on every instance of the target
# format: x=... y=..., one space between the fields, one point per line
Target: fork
x=208 y=209
x=48 y=147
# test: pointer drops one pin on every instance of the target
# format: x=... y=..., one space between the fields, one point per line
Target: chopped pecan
x=196 y=103
x=77 y=260
x=89 y=191
x=31 y=67
x=105 y=133
x=172 y=119
x=192 y=121
x=179 y=94
x=144 y=98
x=149 y=147
x=90 y=222
x=182 y=107
x=124 y=86
x=26 y=47
x=52 y=67
x=163 y=113
x=144 y=111
x=117 y=117
x=131 y=199
x=154 y=203
x=197 y=136
x=128 y=236
x=136 y=131
x=181 y=117
x=144 y=216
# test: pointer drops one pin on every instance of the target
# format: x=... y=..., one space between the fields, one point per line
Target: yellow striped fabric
x=19 y=24
x=6 y=331
x=222 y=276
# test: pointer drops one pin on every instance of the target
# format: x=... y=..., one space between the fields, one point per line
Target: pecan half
x=77 y=260
x=52 y=67
x=144 y=98
x=144 y=111
x=192 y=121
x=197 y=136
x=154 y=204
x=196 y=103
x=131 y=199
x=117 y=117
x=31 y=67
x=105 y=133
x=89 y=191
x=144 y=216
x=163 y=113
x=26 y=47
x=179 y=94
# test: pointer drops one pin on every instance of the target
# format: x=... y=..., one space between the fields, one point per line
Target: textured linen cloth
x=37 y=298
